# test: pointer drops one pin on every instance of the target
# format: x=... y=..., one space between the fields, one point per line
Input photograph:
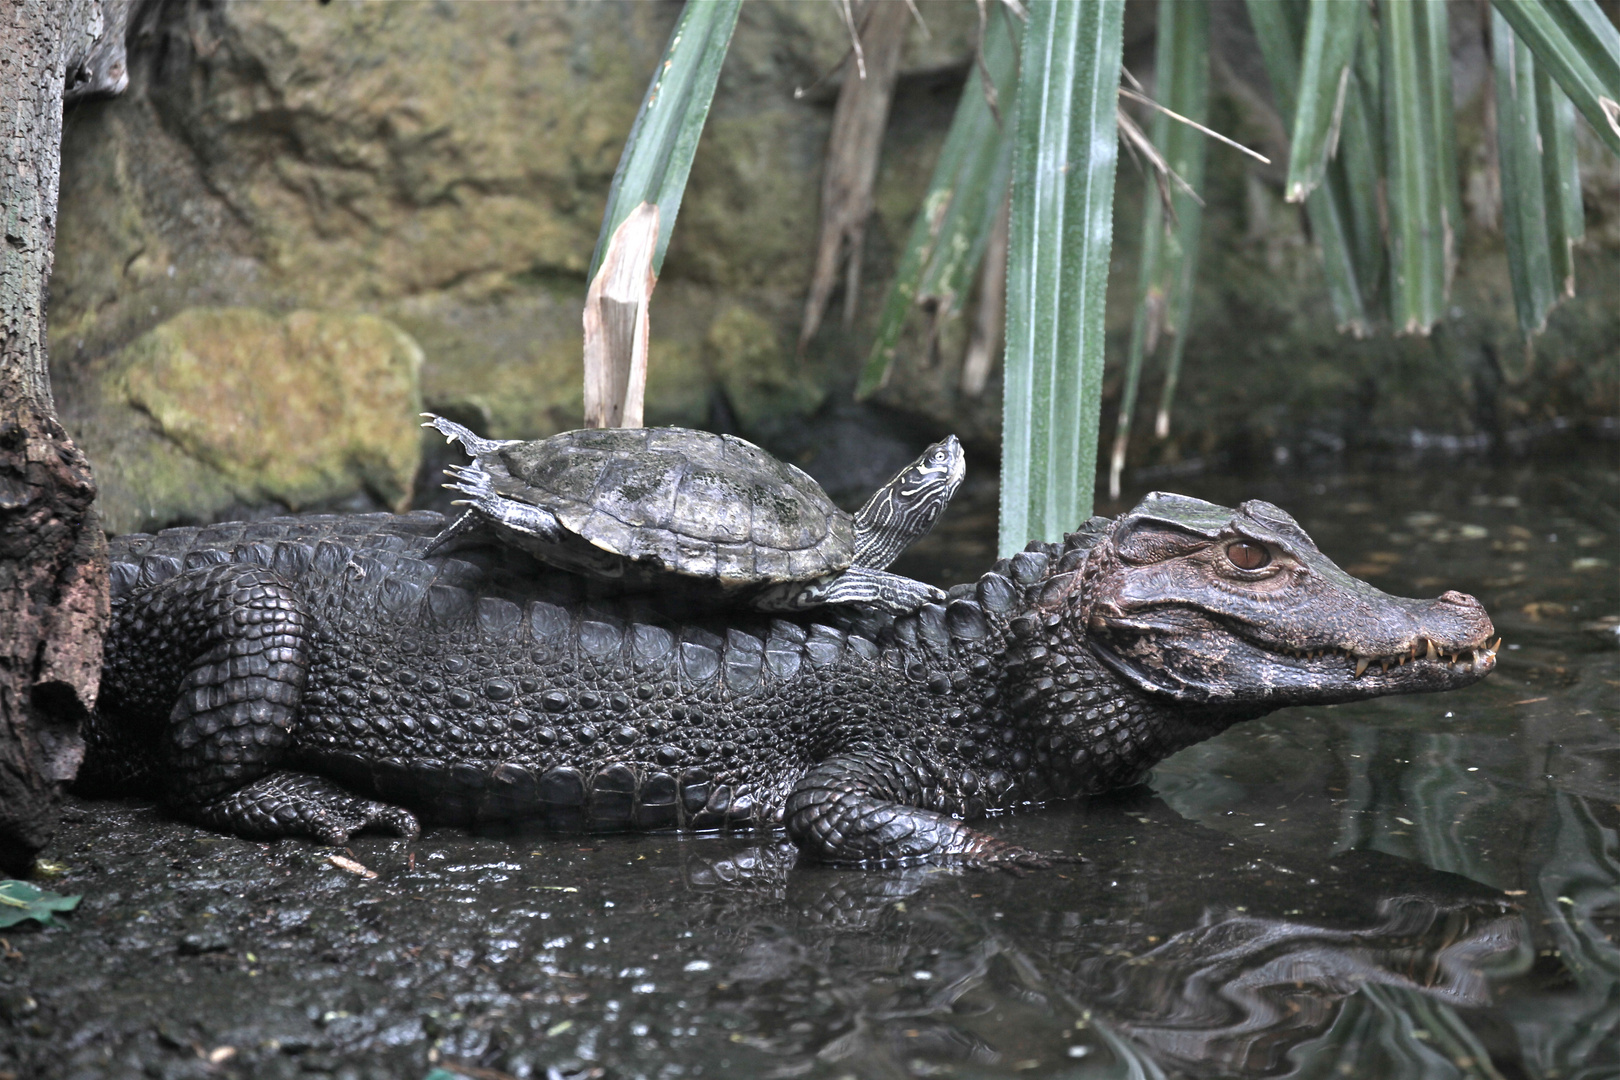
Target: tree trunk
x=53 y=564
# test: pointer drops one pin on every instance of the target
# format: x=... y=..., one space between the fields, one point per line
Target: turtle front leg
x=862 y=585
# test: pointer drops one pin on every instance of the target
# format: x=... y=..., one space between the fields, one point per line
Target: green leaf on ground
x=19 y=900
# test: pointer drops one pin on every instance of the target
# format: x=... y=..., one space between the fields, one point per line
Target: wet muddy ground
x=1423 y=886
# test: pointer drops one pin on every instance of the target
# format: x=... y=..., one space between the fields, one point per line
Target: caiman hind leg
x=286 y=803
x=867 y=808
x=222 y=651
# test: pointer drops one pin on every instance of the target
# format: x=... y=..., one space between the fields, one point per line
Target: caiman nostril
x=1462 y=599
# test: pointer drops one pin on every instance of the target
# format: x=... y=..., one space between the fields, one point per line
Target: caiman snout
x=1455 y=618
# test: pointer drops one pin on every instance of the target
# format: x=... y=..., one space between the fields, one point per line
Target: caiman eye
x=1247 y=556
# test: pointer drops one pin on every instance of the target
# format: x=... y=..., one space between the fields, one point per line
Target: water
x=1424 y=886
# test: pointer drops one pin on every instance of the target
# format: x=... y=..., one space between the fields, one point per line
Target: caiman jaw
x=1192 y=657
x=1475 y=658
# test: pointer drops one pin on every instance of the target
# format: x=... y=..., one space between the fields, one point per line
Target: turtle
x=663 y=507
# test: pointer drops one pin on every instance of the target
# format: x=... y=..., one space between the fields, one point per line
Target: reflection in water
x=1576 y=1033
x=1391 y=1032
x=1237 y=993
x=1182 y=985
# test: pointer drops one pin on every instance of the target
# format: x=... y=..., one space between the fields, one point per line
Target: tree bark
x=53 y=563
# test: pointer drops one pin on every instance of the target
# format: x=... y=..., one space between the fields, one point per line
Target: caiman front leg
x=223 y=651
x=868 y=808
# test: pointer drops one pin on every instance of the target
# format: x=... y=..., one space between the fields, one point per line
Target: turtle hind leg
x=468 y=530
x=866 y=587
x=903 y=511
x=492 y=516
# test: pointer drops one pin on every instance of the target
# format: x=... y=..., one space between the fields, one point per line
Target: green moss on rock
x=301 y=410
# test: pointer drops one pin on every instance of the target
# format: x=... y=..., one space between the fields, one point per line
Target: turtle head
x=902 y=511
x=934 y=477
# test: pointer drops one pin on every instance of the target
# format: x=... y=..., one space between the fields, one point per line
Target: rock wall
x=344 y=210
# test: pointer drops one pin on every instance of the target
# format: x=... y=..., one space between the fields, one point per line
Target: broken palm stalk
x=1332 y=31
x=616 y=329
x=990 y=314
x=658 y=154
x=1519 y=147
x=1581 y=49
x=642 y=203
x=1561 y=178
x=1422 y=236
x=1280 y=29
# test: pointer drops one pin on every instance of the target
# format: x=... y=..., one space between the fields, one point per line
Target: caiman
x=319 y=675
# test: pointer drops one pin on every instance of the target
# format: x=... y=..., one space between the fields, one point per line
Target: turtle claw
x=474 y=445
x=471 y=479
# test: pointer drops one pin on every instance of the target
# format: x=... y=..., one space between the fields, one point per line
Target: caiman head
x=1239 y=609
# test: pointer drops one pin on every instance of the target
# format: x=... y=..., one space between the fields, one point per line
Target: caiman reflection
x=1236 y=975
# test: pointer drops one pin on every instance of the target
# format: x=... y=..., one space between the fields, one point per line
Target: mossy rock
x=298 y=411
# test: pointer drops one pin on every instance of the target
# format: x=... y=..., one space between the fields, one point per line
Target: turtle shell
x=690 y=502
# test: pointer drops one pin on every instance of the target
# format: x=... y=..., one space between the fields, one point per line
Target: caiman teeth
x=1422 y=649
